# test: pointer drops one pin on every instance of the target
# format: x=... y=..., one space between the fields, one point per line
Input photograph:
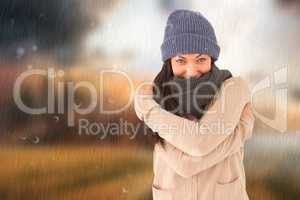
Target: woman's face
x=189 y=65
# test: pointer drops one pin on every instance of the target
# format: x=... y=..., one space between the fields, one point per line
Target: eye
x=180 y=61
x=200 y=60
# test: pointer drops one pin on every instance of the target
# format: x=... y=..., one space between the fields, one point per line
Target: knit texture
x=188 y=32
x=194 y=95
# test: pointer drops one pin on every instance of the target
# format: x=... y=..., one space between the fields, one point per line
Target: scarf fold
x=193 y=95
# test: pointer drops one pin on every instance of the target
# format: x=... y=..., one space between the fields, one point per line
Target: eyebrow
x=199 y=55
x=185 y=58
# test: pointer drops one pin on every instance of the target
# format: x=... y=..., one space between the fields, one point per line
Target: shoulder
x=237 y=85
x=237 y=81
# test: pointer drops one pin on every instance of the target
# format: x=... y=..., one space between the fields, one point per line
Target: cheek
x=178 y=70
x=205 y=67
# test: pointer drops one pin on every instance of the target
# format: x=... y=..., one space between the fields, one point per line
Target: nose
x=192 y=71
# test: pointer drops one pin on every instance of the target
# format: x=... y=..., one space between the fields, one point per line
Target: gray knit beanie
x=189 y=32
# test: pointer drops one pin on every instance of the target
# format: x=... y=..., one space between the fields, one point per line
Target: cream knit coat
x=202 y=160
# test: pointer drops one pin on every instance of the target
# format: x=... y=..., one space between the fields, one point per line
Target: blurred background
x=44 y=157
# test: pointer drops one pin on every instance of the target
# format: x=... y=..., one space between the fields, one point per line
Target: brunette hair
x=161 y=90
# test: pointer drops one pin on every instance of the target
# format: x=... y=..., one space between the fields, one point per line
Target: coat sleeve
x=198 y=138
x=187 y=165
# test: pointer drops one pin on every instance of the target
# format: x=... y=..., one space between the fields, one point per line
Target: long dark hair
x=161 y=90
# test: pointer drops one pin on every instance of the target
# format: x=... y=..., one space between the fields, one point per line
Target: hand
x=247 y=119
x=143 y=101
x=248 y=110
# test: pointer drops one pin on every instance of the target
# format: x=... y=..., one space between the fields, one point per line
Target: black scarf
x=187 y=90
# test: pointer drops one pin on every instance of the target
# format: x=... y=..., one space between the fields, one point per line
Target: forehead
x=191 y=55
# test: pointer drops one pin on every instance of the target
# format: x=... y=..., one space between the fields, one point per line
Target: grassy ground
x=122 y=172
x=75 y=173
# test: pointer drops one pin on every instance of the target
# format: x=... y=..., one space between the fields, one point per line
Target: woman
x=199 y=155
